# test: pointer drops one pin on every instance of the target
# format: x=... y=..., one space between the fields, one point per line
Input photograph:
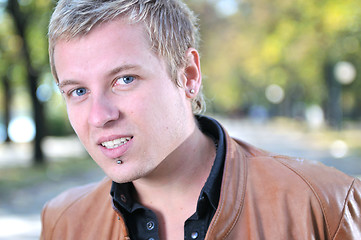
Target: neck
x=181 y=175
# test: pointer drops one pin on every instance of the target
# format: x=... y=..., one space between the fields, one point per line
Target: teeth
x=115 y=143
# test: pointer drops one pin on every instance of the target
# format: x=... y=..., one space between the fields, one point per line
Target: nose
x=102 y=111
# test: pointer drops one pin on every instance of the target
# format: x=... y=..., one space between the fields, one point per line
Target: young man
x=130 y=75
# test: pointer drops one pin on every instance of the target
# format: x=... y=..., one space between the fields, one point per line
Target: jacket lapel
x=232 y=191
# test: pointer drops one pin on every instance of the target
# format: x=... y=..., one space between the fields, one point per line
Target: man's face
x=121 y=101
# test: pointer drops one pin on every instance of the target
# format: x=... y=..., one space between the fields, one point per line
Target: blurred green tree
x=293 y=44
x=29 y=22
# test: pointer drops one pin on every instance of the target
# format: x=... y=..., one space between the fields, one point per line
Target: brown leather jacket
x=263 y=196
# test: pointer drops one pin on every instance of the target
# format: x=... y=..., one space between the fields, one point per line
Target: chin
x=121 y=174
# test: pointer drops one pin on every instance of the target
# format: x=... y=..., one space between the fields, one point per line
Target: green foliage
x=36 y=14
x=281 y=42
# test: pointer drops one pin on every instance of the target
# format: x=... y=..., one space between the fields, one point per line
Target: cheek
x=76 y=120
x=163 y=109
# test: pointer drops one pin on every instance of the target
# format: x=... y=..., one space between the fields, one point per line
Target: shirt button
x=123 y=198
x=150 y=225
x=194 y=235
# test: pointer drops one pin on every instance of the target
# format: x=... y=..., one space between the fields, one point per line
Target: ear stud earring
x=192 y=91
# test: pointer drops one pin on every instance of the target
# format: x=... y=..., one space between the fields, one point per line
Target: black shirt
x=142 y=223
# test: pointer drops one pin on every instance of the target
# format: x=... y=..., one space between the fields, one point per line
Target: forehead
x=107 y=42
x=118 y=29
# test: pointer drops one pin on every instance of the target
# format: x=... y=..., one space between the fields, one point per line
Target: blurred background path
x=20 y=208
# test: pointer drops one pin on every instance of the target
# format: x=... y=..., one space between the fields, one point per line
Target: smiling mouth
x=116 y=142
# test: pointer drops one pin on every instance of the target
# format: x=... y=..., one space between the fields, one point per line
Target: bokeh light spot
x=22 y=129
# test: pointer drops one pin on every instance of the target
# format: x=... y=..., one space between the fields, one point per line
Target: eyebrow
x=67 y=82
x=110 y=73
x=122 y=69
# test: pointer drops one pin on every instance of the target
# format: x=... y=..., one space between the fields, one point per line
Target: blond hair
x=171 y=25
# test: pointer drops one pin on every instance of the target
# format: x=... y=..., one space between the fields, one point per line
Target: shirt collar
x=212 y=186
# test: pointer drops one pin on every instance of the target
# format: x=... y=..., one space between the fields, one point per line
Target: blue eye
x=125 y=80
x=79 y=92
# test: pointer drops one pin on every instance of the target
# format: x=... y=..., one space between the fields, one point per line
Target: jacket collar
x=232 y=190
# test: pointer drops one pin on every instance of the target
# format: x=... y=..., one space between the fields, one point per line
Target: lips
x=116 y=142
x=116 y=146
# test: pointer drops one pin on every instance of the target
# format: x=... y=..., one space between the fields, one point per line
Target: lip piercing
x=119 y=162
x=192 y=91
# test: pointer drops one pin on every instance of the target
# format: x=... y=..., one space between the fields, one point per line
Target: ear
x=192 y=78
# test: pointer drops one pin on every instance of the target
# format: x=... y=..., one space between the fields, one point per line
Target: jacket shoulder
x=76 y=201
x=73 y=194
x=313 y=173
x=338 y=194
x=334 y=190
